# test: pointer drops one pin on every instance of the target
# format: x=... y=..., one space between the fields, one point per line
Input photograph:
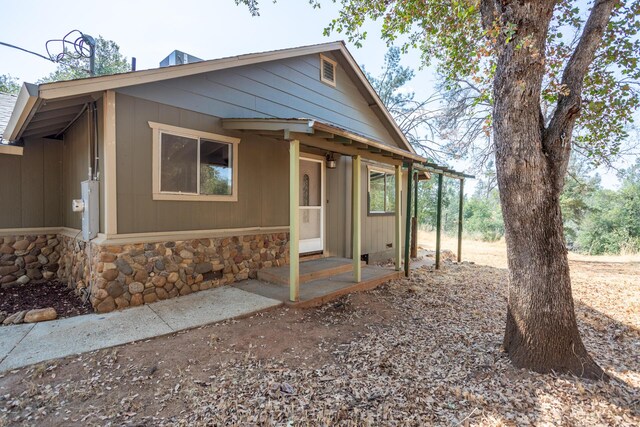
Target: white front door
x=311 y=205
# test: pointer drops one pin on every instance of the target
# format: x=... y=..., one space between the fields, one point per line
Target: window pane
x=376 y=191
x=179 y=158
x=311 y=175
x=391 y=193
x=216 y=168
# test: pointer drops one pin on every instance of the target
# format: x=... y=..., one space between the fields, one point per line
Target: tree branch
x=568 y=106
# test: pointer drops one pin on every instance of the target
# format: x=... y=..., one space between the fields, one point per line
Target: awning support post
x=438 y=220
x=460 y=220
x=356 y=239
x=407 y=231
x=398 y=222
x=414 y=220
x=294 y=220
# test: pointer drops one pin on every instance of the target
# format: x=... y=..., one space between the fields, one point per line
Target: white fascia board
x=98 y=84
x=22 y=111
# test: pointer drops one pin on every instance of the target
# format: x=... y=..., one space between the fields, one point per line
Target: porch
x=314 y=141
x=321 y=280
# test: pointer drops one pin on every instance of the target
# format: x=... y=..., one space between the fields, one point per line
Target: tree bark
x=531 y=161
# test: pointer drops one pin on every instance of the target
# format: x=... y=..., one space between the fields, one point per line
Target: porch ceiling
x=52 y=118
x=336 y=139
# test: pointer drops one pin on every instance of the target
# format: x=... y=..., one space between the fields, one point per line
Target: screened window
x=382 y=192
x=193 y=165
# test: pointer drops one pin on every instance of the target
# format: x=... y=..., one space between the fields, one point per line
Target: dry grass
x=418 y=351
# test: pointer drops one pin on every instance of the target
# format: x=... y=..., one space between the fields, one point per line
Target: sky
x=208 y=29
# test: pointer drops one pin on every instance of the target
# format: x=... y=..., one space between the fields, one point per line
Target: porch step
x=321 y=291
x=313 y=269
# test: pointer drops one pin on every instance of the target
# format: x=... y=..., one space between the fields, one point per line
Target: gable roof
x=7 y=102
x=29 y=103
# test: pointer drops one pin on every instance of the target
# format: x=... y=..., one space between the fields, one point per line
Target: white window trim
x=382 y=170
x=335 y=71
x=158 y=128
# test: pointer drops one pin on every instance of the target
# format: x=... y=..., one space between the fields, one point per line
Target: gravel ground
x=424 y=351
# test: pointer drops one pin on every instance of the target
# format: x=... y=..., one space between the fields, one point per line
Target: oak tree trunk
x=531 y=161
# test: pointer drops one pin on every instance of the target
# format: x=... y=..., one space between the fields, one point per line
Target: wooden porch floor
x=313 y=269
x=320 y=287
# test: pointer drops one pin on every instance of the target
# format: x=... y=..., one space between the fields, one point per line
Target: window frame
x=158 y=129
x=323 y=79
x=385 y=171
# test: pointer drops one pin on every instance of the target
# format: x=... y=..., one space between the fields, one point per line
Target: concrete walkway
x=23 y=345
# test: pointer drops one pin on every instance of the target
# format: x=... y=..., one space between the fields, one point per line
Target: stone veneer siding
x=24 y=258
x=119 y=276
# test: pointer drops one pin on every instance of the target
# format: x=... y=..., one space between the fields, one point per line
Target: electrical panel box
x=91 y=211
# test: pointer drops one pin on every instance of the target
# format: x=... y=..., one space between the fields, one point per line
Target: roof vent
x=178 y=58
x=328 y=70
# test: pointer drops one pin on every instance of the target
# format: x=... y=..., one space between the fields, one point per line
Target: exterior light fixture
x=331 y=161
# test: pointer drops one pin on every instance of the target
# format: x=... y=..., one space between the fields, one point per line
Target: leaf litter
x=418 y=351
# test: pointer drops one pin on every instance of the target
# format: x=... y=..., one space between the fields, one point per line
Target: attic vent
x=328 y=70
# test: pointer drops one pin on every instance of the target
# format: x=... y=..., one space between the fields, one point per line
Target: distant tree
x=108 y=60
x=9 y=84
x=576 y=198
x=612 y=224
x=418 y=119
x=483 y=217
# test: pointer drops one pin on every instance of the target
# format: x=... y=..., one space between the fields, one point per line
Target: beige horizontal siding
x=30 y=185
x=262 y=181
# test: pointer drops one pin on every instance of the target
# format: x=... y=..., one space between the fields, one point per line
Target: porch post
x=356 y=191
x=460 y=220
x=294 y=220
x=109 y=157
x=398 y=217
x=438 y=220
x=414 y=220
x=407 y=231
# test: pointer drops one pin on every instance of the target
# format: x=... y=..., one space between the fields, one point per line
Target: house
x=157 y=183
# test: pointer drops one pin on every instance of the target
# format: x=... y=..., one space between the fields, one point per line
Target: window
x=193 y=165
x=382 y=192
x=328 y=70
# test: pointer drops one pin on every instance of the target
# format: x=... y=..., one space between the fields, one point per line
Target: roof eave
x=22 y=111
x=69 y=88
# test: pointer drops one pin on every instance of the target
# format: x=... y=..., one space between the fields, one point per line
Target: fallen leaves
x=425 y=351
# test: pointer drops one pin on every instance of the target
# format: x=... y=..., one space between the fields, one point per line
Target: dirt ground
x=424 y=351
x=43 y=294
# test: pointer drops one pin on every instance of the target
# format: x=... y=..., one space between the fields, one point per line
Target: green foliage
x=214 y=180
x=579 y=189
x=108 y=60
x=483 y=217
x=612 y=223
x=9 y=84
x=596 y=221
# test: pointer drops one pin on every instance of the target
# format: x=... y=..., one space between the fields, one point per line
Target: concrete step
x=313 y=269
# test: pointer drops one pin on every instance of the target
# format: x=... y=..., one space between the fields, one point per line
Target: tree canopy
x=9 y=84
